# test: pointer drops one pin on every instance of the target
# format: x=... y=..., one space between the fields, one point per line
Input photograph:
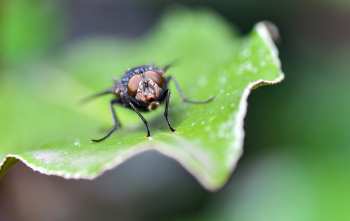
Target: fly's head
x=147 y=88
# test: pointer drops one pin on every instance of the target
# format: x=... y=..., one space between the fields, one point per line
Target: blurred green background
x=297 y=146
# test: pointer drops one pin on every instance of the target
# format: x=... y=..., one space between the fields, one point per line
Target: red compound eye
x=155 y=76
x=133 y=84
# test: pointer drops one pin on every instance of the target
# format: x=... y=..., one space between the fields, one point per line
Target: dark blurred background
x=297 y=146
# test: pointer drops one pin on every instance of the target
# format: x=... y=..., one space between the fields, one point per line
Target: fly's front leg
x=142 y=118
x=115 y=122
x=184 y=98
x=167 y=98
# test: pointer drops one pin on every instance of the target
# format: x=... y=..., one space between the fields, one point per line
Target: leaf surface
x=43 y=125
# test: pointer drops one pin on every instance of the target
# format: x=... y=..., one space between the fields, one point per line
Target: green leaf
x=43 y=125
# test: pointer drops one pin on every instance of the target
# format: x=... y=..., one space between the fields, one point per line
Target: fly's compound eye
x=133 y=84
x=155 y=77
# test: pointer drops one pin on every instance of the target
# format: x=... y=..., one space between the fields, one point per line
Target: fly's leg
x=142 y=118
x=184 y=97
x=166 y=67
x=115 y=121
x=167 y=98
x=102 y=93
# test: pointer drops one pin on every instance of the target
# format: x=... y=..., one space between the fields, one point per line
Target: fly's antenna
x=91 y=97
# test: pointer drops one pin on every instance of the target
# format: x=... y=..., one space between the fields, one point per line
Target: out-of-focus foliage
x=43 y=126
x=28 y=29
x=281 y=187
